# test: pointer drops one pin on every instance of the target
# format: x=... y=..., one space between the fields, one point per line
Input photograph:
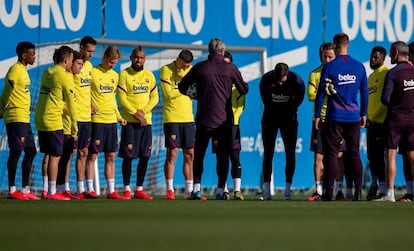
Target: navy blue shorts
x=181 y=135
x=399 y=132
x=51 y=142
x=69 y=144
x=84 y=134
x=20 y=136
x=136 y=141
x=104 y=138
x=316 y=140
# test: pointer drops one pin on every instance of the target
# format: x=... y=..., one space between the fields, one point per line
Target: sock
x=349 y=192
x=374 y=181
x=12 y=189
x=170 y=184
x=111 y=185
x=197 y=187
x=90 y=185
x=60 y=188
x=339 y=186
x=140 y=188
x=52 y=187
x=188 y=186
x=237 y=184
x=80 y=186
x=266 y=186
x=318 y=187
x=287 y=187
x=219 y=191
x=390 y=193
x=127 y=188
x=26 y=189
x=383 y=187
x=409 y=186
x=67 y=187
x=226 y=189
x=45 y=183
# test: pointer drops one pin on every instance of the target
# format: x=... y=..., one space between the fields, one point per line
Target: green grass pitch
x=100 y=225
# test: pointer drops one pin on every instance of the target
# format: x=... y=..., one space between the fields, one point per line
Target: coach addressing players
x=214 y=118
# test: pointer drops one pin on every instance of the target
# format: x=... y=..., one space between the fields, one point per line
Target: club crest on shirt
x=22 y=139
x=97 y=142
x=173 y=137
x=129 y=146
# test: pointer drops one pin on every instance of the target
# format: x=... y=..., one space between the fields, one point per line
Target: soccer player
x=345 y=77
x=83 y=98
x=15 y=110
x=214 y=118
x=104 y=137
x=282 y=92
x=56 y=90
x=69 y=144
x=237 y=103
x=179 y=128
x=398 y=96
x=326 y=54
x=376 y=112
x=138 y=95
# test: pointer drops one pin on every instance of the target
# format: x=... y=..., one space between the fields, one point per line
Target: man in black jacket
x=214 y=119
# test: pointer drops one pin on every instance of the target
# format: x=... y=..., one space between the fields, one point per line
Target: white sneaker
x=288 y=195
x=385 y=198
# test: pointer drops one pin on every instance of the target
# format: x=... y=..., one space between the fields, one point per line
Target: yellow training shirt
x=376 y=111
x=15 y=99
x=83 y=92
x=237 y=103
x=56 y=89
x=177 y=108
x=313 y=83
x=137 y=91
x=103 y=95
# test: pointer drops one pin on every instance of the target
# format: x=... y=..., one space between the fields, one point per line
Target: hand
x=94 y=110
x=363 y=122
x=317 y=123
x=123 y=122
x=329 y=87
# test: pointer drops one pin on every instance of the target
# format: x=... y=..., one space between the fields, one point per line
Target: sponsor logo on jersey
x=279 y=98
x=346 y=79
x=408 y=85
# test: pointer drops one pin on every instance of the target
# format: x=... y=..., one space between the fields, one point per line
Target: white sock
x=52 y=187
x=80 y=186
x=409 y=184
x=90 y=185
x=111 y=185
x=226 y=189
x=390 y=193
x=67 y=187
x=170 y=184
x=219 y=191
x=45 y=183
x=383 y=187
x=26 y=189
x=197 y=187
x=237 y=184
x=127 y=188
x=319 y=187
x=12 y=189
x=140 y=188
x=188 y=186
